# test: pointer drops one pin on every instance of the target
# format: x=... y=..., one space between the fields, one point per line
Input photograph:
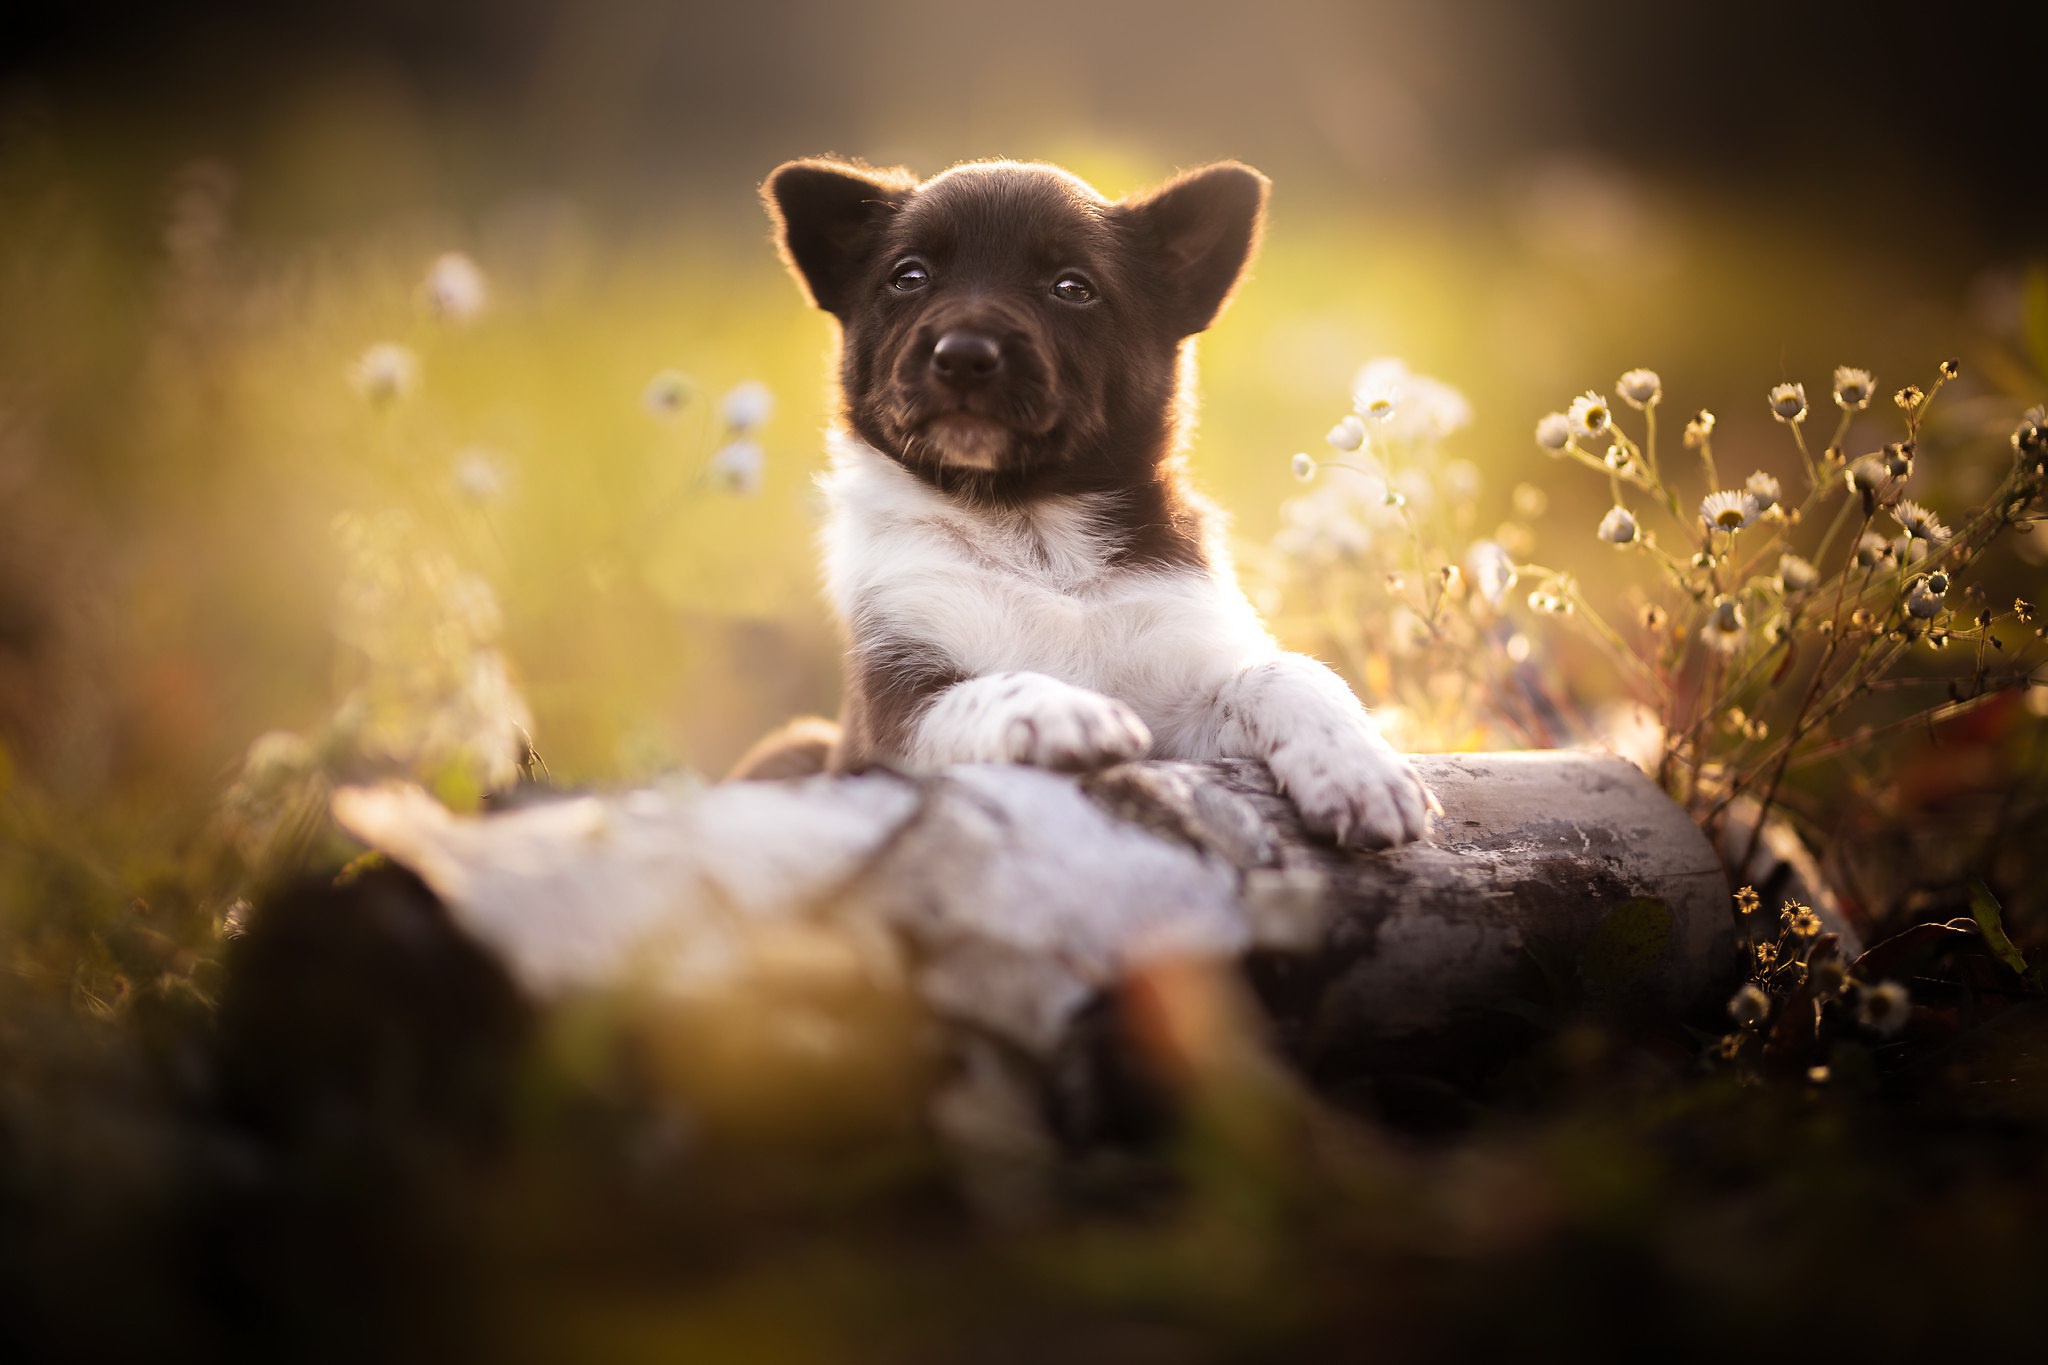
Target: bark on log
x=1010 y=898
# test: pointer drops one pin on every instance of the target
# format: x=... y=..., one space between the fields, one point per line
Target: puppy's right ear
x=828 y=216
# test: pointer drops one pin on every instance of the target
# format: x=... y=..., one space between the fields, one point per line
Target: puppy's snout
x=963 y=357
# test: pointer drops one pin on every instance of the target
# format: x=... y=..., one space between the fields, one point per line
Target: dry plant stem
x=1771 y=790
x=1805 y=456
x=1944 y=712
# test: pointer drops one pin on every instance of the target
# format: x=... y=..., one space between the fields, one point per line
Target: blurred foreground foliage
x=349 y=1138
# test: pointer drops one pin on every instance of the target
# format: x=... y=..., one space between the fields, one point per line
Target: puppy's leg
x=1325 y=751
x=1027 y=718
x=802 y=748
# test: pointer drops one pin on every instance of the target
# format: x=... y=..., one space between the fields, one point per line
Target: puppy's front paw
x=1357 y=792
x=1074 y=730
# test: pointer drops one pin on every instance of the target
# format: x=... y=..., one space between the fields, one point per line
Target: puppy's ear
x=827 y=217
x=1204 y=225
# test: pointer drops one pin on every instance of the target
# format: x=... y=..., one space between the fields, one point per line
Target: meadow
x=471 y=488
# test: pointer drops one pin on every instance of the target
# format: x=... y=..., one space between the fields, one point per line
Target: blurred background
x=211 y=212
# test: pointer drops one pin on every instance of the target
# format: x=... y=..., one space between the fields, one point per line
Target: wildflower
x=1348 y=434
x=1699 y=430
x=1589 y=415
x=1923 y=603
x=1728 y=511
x=1802 y=922
x=1551 y=600
x=385 y=372
x=1764 y=489
x=1828 y=977
x=2032 y=432
x=746 y=406
x=1640 y=388
x=1951 y=368
x=739 y=466
x=1796 y=575
x=668 y=393
x=1618 y=527
x=1919 y=523
x=1884 y=1007
x=1869 y=476
x=1746 y=901
x=1491 y=570
x=1872 y=550
x=1725 y=627
x=480 y=476
x=1853 y=388
x=1788 y=402
x=1304 y=467
x=2022 y=609
x=1554 y=431
x=1750 y=1007
x=1909 y=398
x=1766 y=955
x=1408 y=407
x=1898 y=459
x=454 y=288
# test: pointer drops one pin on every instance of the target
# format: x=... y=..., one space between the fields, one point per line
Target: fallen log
x=1009 y=899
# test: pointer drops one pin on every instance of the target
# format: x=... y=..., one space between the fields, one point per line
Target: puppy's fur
x=1022 y=570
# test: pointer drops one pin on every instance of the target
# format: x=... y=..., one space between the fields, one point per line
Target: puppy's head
x=1007 y=331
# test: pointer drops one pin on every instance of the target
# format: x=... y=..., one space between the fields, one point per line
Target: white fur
x=1076 y=662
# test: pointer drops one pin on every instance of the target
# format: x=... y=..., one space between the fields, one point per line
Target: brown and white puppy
x=1022 y=570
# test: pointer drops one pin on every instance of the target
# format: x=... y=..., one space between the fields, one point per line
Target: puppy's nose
x=966 y=357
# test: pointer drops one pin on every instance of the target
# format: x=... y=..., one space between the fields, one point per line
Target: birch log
x=1010 y=898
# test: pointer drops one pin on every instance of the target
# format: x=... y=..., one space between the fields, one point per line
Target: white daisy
x=1618 y=527
x=454 y=288
x=739 y=466
x=668 y=393
x=1788 y=402
x=1919 y=523
x=1347 y=435
x=746 y=406
x=1554 y=431
x=1853 y=388
x=1725 y=627
x=1491 y=570
x=1796 y=575
x=385 y=372
x=1640 y=388
x=1728 y=510
x=1589 y=415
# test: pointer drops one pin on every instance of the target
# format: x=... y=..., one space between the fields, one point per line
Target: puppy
x=1022 y=570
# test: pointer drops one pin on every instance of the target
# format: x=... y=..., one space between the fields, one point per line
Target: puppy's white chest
x=1035 y=591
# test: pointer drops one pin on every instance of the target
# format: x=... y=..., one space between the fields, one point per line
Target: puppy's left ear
x=1205 y=226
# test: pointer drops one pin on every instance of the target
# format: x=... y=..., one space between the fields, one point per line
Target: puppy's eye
x=910 y=276
x=1073 y=289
